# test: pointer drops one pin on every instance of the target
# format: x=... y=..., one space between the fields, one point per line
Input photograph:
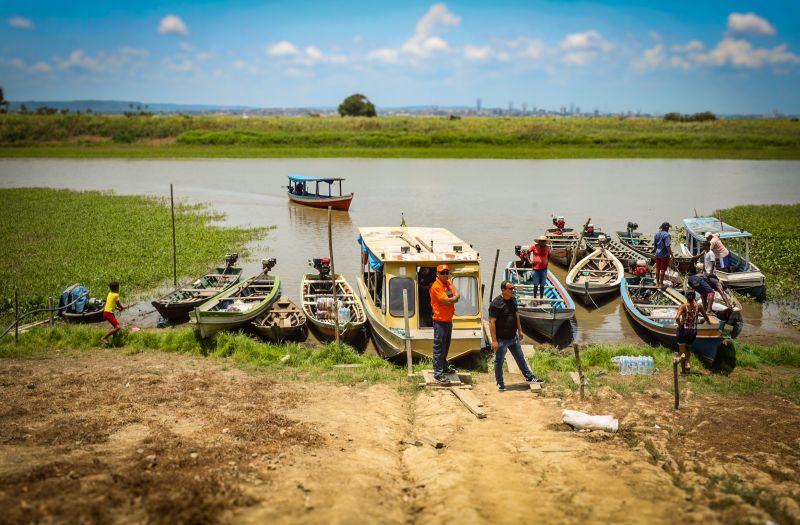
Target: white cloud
x=680 y=63
x=424 y=43
x=477 y=52
x=18 y=63
x=283 y=48
x=503 y=56
x=688 y=47
x=78 y=60
x=186 y=46
x=357 y=39
x=533 y=50
x=172 y=25
x=652 y=57
x=749 y=24
x=589 y=40
x=742 y=54
x=181 y=65
x=239 y=64
x=20 y=22
x=385 y=55
x=314 y=54
x=579 y=58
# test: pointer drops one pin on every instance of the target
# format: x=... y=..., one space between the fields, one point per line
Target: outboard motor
x=322 y=265
x=231 y=258
x=524 y=255
x=268 y=264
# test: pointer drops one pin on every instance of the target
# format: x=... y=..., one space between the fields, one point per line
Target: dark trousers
x=441 y=345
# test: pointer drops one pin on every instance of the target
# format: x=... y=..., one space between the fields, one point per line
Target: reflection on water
x=489 y=203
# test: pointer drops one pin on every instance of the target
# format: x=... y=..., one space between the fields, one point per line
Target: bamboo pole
x=494 y=273
x=407 y=340
x=577 y=246
x=577 y=350
x=675 y=360
x=174 y=242
x=50 y=307
x=333 y=279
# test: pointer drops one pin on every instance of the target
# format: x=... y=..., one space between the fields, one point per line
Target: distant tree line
x=705 y=116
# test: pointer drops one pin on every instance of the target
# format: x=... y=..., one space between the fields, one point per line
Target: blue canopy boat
x=301 y=191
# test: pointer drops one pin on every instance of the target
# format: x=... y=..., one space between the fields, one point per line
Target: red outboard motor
x=322 y=265
x=559 y=222
x=524 y=255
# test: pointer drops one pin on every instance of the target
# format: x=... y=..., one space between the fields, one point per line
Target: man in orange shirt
x=443 y=298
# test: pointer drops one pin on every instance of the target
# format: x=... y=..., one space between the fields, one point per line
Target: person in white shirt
x=719 y=249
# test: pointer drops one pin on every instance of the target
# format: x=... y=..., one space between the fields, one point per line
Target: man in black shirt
x=506 y=332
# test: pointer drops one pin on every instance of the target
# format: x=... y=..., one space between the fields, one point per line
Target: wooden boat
x=562 y=244
x=643 y=245
x=75 y=305
x=238 y=305
x=596 y=275
x=284 y=321
x=397 y=259
x=654 y=310
x=301 y=193
x=179 y=302
x=544 y=315
x=744 y=276
x=626 y=255
x=316 y=290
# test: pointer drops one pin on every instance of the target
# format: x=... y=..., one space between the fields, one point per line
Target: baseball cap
x=442 y=268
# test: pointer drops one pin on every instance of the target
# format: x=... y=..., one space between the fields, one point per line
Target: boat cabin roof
x=309 y=178
x=698 y=226
x=397 y=243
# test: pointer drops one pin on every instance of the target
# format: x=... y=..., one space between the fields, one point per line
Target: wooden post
x=16 y=315
x=333 y=279
x=577 y=350
x=174 y=242
x=407 y=340
x=494 y=273
x=50 y=307
x=577 y=246
x=676 y=358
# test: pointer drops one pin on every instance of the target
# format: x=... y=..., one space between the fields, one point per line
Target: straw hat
x=542 y=238
x=708 y=234
x=699 y=266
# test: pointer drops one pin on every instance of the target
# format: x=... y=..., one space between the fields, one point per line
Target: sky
x=728 y=56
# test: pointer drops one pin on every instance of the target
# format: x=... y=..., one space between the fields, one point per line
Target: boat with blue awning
x=311 y=191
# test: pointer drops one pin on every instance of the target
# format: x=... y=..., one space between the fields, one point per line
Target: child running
x=112 y=303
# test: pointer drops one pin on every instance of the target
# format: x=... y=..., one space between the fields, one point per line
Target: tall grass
x=53 y=238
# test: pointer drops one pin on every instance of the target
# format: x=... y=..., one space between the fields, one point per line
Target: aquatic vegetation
x=53 y=238
x=529 y=137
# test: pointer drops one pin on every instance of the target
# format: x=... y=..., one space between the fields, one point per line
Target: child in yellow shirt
x=112 y=303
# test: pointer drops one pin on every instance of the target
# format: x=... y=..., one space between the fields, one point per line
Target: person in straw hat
x=540 y=259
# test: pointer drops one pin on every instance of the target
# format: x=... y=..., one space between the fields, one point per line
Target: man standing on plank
x=444 y=296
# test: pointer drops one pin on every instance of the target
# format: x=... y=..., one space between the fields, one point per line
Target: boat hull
x=94 y=316
x=313 y=287
x=545 y=317
x=337 y=203
x=277 y=328
x=177 y=304
x=582 y=284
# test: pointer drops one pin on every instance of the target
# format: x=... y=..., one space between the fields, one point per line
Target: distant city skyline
x=729 y=57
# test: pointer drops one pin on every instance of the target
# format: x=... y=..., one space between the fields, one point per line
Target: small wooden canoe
x=179 y=302
x=77 y=297
x=544 y=315
x=654 y=309
x=318 y=306
x=284 y=321
x=626 y=255
x=596 y=275
x=237 y=305
x=93 y=313
x=562 y=244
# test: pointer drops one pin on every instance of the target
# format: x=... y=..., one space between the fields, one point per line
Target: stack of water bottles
x=635 y=365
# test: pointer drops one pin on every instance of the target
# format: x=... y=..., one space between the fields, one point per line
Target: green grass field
x=53 y=238
x=429 y=137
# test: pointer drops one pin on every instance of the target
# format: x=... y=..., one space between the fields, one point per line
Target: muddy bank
x=114 y=438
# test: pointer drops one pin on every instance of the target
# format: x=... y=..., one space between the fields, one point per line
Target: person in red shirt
x=540 y=253
x=444 y=296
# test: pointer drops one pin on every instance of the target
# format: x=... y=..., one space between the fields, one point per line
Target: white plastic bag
x=581 y=421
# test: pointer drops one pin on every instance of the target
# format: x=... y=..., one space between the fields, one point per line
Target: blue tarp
x=308 y=178
x=698 y=226
x=374 y=262
x=76 y=291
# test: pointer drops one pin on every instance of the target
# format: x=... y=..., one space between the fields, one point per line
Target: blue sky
x=655 y=56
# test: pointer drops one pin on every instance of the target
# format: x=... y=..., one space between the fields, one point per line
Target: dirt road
x=109 y=438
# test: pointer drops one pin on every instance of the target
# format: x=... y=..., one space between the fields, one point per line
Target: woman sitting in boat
x=686 y=318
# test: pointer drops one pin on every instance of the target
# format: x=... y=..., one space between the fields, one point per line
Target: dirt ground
x=160 y=438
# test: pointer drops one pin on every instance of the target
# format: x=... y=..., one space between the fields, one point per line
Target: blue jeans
x=516 y=351
x=540 y=277
x=441 y=345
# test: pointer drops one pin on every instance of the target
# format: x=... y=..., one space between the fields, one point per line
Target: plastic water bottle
x=623 y=365
x=639 y=365
x=651 y=365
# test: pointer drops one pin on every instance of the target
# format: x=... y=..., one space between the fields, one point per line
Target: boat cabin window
x=396 y=287
x=468 y=288
x=425 y=277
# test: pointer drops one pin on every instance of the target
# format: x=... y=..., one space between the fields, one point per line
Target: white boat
x=595 y=276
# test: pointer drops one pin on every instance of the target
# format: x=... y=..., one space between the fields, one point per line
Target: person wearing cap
x=444 y=296
x=505 y=329
x=540 y=253
x=663 y=244
x=720 y=251
x=702 y=286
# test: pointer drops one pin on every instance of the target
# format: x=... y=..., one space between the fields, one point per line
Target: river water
x=492 y=204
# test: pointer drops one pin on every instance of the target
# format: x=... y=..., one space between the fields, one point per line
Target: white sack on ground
x=581 y=421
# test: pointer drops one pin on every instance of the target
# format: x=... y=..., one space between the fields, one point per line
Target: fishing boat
x=398 y=259
x=323 y=308
x=654 y=309
x=75 y=305
x=238 y=305
x=562 y=243
x=744 y=276
x=301 y=192
x=179 y=302
x=626 y=255
x=284 y=321
x=643 y=245
x=596 y=275
x=544 y=315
